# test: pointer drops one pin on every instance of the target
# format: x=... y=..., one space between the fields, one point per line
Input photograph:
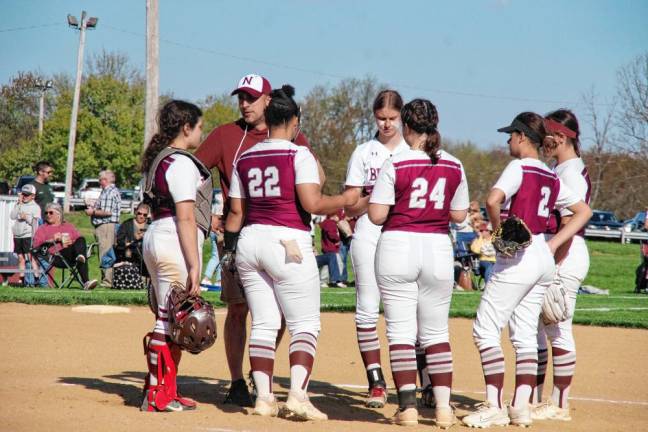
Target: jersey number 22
x=264 y=183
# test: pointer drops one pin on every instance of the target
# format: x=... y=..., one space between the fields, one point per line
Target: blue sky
x=480 y=62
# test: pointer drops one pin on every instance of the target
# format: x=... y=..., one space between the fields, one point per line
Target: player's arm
x=235 y=216
x=314 y=202
x=360 y=204
x=582 y=214
x=561 y=252
x=188 y=236
x=494 y=206
x=378 y=213
x=458 y=216
x=383 y=195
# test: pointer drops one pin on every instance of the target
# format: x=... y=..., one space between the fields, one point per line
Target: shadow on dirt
x=339 y=403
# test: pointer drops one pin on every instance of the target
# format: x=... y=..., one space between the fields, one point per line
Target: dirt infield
x=65 y=370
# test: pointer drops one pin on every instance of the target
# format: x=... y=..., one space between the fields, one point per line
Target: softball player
x=180 y=188
x=516 y=289
x=573 y=263
x=417 y=194
x=275 y=187
x=362 y=172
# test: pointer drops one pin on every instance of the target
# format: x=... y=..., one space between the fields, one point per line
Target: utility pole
x=90 y=22
x=42 y=87
x=152 y=70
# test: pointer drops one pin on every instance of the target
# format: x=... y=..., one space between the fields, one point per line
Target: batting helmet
x=192 y=321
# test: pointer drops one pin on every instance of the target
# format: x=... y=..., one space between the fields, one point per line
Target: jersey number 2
x=264 y=183
x=543 y=210
x=419 y=191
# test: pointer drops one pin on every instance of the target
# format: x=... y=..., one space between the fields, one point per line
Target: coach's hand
x=216 y=223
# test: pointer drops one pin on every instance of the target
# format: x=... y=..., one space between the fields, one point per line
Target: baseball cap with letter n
x=254 y=85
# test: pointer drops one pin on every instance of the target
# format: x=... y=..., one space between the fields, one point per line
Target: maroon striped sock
x=403 y=365
x=492 y=360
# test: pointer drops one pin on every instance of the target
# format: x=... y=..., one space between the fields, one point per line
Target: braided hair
x=173 y=116
x=282 y=106
x=421 y=116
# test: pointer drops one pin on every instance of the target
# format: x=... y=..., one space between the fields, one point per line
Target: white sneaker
x=266 y=406
x=205 y=281
x=548 y=411
x=520 y=416
x=90 y=285
x=406 y=417
x=300 y=407
x=487 y=415
x=445 y=417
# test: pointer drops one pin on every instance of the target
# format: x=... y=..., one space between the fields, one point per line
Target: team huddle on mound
x=405 y=191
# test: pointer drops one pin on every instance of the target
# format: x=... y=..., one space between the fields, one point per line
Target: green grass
x=612 y=267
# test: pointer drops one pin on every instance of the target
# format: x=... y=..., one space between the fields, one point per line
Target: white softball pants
x=572 y=271
x=514 y=295
x=165 y=263
x=274 y=284
x=415 y=274
x=363 y=254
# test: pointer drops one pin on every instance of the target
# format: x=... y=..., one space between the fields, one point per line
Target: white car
x=89 y=190
x=59 y=191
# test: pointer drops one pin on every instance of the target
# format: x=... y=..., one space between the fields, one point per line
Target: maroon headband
x=554 y=126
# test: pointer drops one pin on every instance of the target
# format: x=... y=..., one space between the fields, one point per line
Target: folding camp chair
x=50 y=261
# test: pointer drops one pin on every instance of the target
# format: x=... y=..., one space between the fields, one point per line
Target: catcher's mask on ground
x=192 y=320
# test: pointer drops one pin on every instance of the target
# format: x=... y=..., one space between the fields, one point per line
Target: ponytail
x=174 y=115
x=421 y=116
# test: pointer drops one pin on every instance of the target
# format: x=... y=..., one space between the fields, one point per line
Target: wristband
x=230 y=240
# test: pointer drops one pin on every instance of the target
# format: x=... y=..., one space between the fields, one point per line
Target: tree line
x=336 y=118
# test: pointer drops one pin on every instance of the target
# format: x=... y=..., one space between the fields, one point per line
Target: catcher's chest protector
x=204 y=193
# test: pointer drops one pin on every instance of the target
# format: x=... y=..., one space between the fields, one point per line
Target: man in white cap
x=26 y=213
x=220 y=150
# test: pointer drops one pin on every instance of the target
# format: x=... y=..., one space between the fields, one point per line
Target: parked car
x=22 y=181
x=127 y=198
x=59 y=191
x=604 y=220
x=89 y=190
x=635 y=223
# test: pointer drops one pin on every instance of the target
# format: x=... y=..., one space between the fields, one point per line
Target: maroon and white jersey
x=266 y=176
x=421 y=194
x=362 y=171
x=572 y=173
x=176 y=179
x=534 y=191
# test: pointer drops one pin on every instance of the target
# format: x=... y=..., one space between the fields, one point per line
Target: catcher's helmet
x=192 y=321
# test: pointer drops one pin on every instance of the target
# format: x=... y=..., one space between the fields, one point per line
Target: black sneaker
x=239 y=394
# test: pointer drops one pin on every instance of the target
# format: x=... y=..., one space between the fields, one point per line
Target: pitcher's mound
x=101 y=309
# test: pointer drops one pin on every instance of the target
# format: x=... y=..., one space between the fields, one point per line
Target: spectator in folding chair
x=129 y=267
x=66 y=248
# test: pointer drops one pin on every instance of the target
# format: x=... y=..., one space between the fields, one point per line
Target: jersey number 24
x=419 y=194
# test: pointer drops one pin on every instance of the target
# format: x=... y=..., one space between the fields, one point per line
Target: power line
x=340 y=77
x=30 y=27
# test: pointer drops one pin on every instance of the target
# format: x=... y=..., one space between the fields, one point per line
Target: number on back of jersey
x=264 y=183
x=419 y=195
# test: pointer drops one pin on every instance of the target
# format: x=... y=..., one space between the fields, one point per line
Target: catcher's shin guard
x=162 y=394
